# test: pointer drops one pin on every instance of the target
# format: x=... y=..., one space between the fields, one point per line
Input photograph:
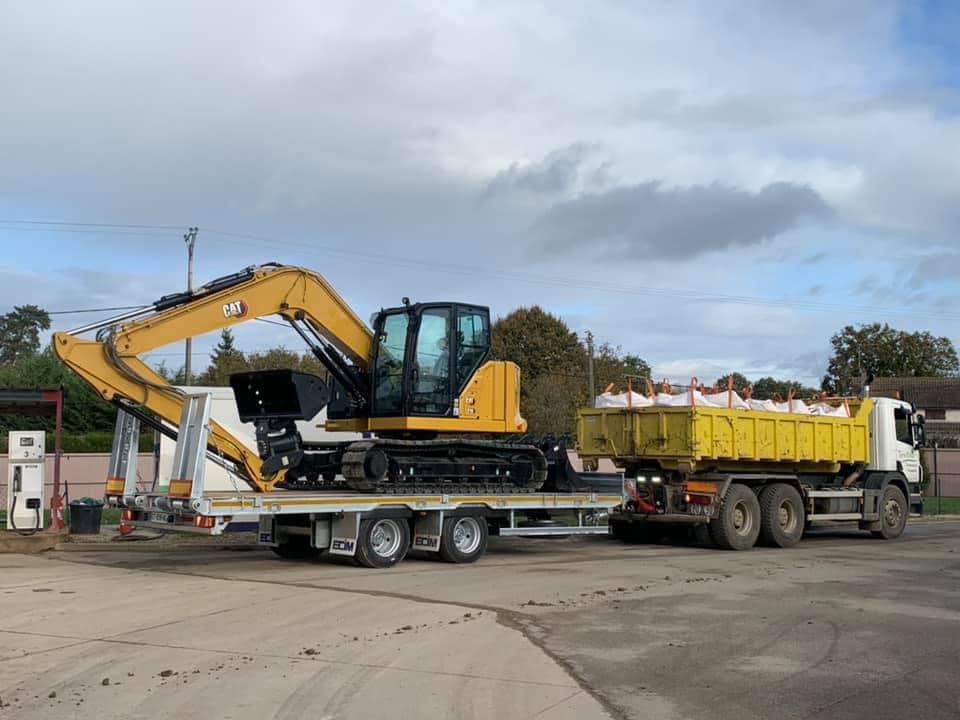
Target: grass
x=941 y=506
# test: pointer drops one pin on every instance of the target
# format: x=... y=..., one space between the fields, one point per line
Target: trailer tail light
x=204 y=521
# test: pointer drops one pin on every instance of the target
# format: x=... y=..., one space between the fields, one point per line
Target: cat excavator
x=435 y=411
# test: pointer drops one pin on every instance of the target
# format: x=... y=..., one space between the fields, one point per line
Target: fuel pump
x=25 y=466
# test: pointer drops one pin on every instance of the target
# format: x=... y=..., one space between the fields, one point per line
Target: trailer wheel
x=737 y=524
x=382 y=542
x=893 y=513
x=782 y=515
x=463 y=539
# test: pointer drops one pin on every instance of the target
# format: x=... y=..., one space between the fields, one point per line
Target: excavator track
x=448 y=465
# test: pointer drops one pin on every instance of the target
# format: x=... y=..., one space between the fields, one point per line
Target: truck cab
x=896 y=436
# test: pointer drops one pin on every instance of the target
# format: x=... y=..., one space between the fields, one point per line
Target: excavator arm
x=112 y=366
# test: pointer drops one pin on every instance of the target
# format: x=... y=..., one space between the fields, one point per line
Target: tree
x=20 y=332
x=884 y=351
x=739 y=381
x=768 y=388
x=553 y=367
x=538 y=342
x=83 y=410
x=611 y=366
x=224 y=361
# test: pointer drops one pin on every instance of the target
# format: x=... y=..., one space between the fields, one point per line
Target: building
x=936 y=398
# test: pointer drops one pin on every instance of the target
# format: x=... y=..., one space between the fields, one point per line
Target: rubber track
x=437 y=451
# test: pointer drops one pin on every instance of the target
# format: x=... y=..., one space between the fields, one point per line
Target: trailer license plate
x=160 y=517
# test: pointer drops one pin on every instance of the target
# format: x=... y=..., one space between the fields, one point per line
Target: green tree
x=768 y=388
x=540 y=343
x=740 y=381
x=83 y=409
x=611 y=366
x=281 y=358
x=20 y=332
x=553 y=367
x=884 y=351
x=225 y=360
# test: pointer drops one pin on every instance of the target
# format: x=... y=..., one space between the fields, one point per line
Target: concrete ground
x=843 y=626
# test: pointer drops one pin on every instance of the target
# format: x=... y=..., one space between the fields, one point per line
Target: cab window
x=473 y=343
x=388 y=372
x=431 y=384
x=901 y=419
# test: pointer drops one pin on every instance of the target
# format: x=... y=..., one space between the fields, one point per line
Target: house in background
x=936 y=398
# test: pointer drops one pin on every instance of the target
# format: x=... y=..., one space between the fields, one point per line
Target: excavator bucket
x=278 y=395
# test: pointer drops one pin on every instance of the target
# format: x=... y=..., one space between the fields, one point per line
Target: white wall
x=224 y=411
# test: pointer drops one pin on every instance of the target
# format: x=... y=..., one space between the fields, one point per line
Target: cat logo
x=236 y=309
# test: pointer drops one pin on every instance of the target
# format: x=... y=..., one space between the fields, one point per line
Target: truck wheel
x=296 y=547
x=737 y=524
x=893 y=513
x=382 y=542
x=782 y=516
x=463 y=539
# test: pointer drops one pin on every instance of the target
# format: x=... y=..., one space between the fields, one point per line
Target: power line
x=89 y=224
x=97 y=310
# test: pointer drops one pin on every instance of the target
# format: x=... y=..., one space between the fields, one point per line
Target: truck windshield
x=388 y=371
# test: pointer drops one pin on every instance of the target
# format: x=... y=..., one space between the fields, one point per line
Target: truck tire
x=782 y=516
x=463 y=539
x=382 y=542
x=737 y=524
x=893 y=513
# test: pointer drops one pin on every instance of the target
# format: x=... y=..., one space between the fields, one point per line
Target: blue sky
x=714 y=186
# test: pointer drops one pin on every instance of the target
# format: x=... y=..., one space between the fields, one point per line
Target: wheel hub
x=891 y=513
x=385 y=538
x=466 y=535
x=742 y=522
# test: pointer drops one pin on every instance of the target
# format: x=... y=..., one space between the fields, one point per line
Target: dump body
x=693 y=439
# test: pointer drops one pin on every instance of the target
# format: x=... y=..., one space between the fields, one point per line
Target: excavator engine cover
x=278 y=395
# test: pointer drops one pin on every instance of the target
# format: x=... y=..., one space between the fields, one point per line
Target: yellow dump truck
x=743 y=475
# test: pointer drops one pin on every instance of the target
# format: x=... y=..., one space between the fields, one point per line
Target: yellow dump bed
x=698 y=438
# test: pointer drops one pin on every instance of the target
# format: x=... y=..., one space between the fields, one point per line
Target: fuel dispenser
x=25 y=461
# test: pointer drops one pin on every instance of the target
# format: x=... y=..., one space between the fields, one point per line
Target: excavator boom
x=111 y=363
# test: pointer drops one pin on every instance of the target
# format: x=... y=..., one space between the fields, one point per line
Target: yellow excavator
x=420 y=386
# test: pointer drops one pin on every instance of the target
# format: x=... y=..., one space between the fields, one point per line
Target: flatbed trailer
x=377 y=529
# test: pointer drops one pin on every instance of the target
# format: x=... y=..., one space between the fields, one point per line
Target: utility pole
x=190 y=239
x=593 y=387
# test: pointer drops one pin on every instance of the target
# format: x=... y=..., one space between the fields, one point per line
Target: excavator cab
x=424 y=356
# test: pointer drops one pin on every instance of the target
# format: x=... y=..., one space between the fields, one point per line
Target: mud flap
x=344 y=534
x=426 y=531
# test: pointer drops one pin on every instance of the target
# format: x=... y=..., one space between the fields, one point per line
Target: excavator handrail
x=111 y=363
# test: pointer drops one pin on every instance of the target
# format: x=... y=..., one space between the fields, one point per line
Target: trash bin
x=85 y=516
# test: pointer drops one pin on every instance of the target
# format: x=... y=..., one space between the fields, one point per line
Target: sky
x=715 y=186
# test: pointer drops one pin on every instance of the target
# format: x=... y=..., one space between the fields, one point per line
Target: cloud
x=639 y=221
x=935 y=268
x=814 y=259
x=554 y=174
